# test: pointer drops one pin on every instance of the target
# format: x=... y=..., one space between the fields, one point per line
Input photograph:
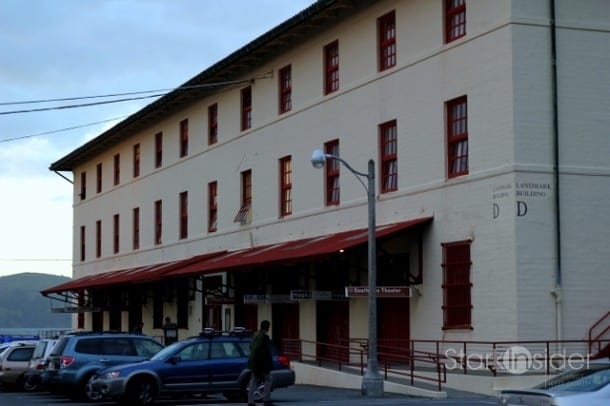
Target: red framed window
x=246 y=108
x=455 y=19
x=158 y=222
x=457 y=137
x=184 y=214
x=457 y=303
x=83 y=185
x=98 y=183
x=332 y=173
x=136 y=228
x=285 y=186
x=285 y=86
x=246 y=197
x=212 y=206
x=386 y=37
x=331 y=67
x=83 y=241
x=98 y=238
x=213 y=124
x=184 y=138
x=158 y=149
x=117 y=169
x=116 y=235
x=136 y=160
x=388 y=141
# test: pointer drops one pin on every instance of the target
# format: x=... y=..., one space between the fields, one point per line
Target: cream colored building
x=492 y=190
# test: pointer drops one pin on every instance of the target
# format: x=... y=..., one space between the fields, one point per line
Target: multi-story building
x=488 y=124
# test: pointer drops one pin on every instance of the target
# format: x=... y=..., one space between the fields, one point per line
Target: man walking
x=260 y=363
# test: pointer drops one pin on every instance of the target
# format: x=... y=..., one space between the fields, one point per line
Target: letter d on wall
x=521 y=208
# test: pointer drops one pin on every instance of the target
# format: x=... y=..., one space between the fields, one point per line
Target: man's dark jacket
x=260 y=361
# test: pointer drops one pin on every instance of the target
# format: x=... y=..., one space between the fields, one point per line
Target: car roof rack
x=235 y=332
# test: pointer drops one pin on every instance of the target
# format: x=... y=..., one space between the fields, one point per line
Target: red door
x=333 y=330
x=285 y=325
x=393 y=329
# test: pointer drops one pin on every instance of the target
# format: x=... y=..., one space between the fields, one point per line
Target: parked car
x=33 y=376
x=14 y=363
x=589 y=385
x=78 y=356
x=213 y=362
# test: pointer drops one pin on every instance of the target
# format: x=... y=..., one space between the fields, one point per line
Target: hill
x=22 y=305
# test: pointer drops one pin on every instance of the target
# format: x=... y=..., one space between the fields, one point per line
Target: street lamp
x=372 y=382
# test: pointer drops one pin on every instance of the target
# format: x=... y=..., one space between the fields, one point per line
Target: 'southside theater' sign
x=382 y=291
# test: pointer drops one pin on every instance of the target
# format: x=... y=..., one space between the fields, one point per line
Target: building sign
x=316 y=295
x=262 y=298
x=75 y=309
x=219 y=300
x=382 y=291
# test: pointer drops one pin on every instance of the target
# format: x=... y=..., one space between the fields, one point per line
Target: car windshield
x=582 y=380
x=40 y=349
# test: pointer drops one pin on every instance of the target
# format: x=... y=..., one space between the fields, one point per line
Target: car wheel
x=30 y=383
x=91 y=394
x=140 y=391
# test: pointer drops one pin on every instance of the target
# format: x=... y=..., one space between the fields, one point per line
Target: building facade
x=487 y=122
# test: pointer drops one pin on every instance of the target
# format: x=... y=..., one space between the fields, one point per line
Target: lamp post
x=372 y=381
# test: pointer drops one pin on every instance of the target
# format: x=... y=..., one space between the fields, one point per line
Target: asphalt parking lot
x=297 y=395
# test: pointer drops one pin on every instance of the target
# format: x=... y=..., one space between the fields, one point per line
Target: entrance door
x=285 y=325
x=333 y=330
x=393 y=329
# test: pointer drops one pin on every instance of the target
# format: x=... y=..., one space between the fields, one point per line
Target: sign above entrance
x=382 y=291
x=316 y=295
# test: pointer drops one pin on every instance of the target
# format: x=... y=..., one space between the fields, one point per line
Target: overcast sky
x=51 y=49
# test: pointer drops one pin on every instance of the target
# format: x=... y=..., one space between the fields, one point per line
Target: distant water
x=41 y=332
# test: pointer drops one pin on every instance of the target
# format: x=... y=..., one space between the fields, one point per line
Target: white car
x=586 y=386
x=14 y=362
x=33 y=376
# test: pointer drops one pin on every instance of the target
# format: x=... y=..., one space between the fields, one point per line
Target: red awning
x=129 y=276
x=292 y=250
x=222 y=260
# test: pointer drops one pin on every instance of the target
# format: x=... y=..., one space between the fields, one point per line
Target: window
x=246 y=197
x=116 y=233
x=212 y=206
x=158 y=221
x=98 y=238
x=136 y=228
x=158 y=150
x=184 y=138
x=386 y=34
x=389 y=158
x=457 y=137
x=83 y=245
x=455 y=19
x=246 y=108
x=285 y=89
x=213 y=124
x=83 y=185
x=136 y=160
x=117 y=169
x=98 y=185
x=457 y=305
x=332 y=173
x=331 y=67
x=285 y=186
x=184 y=215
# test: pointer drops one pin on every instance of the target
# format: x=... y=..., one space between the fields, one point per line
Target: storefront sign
x=316 y=295
x=382 y=291
x=253 y=299
x=219 y=300
x=75 y=309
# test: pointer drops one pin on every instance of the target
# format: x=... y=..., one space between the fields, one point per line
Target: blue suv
x=78 y=356
x=213 y=362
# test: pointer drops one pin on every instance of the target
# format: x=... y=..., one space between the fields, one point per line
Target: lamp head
x=318 y=159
